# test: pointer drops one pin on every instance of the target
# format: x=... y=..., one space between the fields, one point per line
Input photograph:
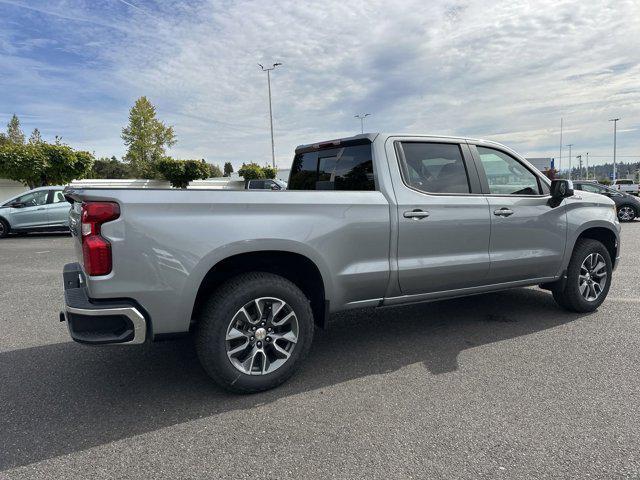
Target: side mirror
x=275 y=187
x=561 y=188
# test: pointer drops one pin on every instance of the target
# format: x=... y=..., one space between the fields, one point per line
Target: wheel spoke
x=281 y=350
x=598 y=270
x=242 y=312
x=238 y=349
x=250 y=360
x=234 y=334
x=286 y=319
x=289 y=337
x=583 y=289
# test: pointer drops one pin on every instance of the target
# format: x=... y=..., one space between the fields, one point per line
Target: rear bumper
x=99 y=322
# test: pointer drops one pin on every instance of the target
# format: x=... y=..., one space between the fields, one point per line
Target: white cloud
x=499 y=70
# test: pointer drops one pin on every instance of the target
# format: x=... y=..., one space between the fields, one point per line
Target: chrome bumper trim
x=139 y=323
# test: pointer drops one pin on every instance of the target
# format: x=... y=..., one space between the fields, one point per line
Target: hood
x=592 y=197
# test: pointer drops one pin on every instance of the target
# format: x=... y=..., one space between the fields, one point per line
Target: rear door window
x=348 y=167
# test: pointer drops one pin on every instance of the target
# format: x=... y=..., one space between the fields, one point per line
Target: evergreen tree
x=14 y=132
x=146 y=138
x=35 y=136
x=228 y=169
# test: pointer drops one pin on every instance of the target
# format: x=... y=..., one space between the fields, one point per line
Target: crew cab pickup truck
x=625 y=186
x=367 y=221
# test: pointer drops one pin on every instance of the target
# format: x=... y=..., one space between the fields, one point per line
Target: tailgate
x=75 y=225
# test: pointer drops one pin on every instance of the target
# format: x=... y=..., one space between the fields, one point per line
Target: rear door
x=57 y=209
x=444 y=224
x=528 y=230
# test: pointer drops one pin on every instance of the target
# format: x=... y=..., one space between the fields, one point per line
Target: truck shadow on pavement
x=61 y=398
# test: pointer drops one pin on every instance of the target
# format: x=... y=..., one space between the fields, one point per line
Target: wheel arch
x=292 y=265
x=603 y=234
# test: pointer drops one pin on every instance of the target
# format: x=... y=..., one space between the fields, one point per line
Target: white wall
x=210 y=183
x=9 y=188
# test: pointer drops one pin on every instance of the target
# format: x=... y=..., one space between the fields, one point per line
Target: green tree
x=42 y=164
x=251 y=171
x=109 y=168
x=35 y=136
x=180 y=172
x=215 y=171
x=64 y=164
x=228 y=169
x=23 y=163
x=146 y=138
x=269 y=172
x=14 y=132
x=3 y=139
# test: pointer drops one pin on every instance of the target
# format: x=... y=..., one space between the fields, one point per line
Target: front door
x=444 y=224
x=528 y=230
x=32 y=211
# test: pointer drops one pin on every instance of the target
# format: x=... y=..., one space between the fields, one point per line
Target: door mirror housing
x=561 y=188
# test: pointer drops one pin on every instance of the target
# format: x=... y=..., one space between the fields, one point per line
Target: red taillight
x=96 y=251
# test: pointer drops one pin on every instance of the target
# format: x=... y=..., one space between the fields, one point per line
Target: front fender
x=583 y=216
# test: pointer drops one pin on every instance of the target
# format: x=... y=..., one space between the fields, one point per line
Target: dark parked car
x=628 y=206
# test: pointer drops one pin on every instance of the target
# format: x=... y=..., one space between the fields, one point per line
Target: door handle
x=503 y=212
x=416 y=214
x=42 y=208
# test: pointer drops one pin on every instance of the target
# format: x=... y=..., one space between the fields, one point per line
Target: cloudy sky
x=502 y=70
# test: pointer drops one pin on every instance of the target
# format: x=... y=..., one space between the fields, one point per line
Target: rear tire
x=247 y=315
x=626 y=213
x=588 y=277
x=4 y=228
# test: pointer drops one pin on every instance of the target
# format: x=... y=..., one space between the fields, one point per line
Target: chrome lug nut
x=259 y=344
x=253 y=338
x=268 y=339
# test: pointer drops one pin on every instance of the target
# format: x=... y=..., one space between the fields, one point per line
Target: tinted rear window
x=341 y=168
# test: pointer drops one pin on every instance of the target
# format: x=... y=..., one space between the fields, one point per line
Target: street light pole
x=579 y=157
x=615 y=132
x=560 y=157
x=361 y=116
x=570 y=145
x=587 y=165
x=268 y=70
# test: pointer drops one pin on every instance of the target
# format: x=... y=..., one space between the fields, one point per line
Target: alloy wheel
x=592 y=279
x=261 y=336
x=626 y=213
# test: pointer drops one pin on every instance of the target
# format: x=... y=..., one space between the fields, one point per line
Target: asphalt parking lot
x=504 y=385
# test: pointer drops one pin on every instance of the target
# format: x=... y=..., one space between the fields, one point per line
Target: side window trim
x=483 y=174
x=467 y=160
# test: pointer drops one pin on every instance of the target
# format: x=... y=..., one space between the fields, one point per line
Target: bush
x=251 y=171
x=110 y=168
x=180 y=172
x=41 y=164
x=269 y=172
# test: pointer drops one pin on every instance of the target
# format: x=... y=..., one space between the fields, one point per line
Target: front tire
x=254 y=332
x=588 y=277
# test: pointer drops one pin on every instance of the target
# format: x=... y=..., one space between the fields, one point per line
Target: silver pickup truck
x=367 y=221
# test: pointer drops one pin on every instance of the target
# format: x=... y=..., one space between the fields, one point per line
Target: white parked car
x=626 y=186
